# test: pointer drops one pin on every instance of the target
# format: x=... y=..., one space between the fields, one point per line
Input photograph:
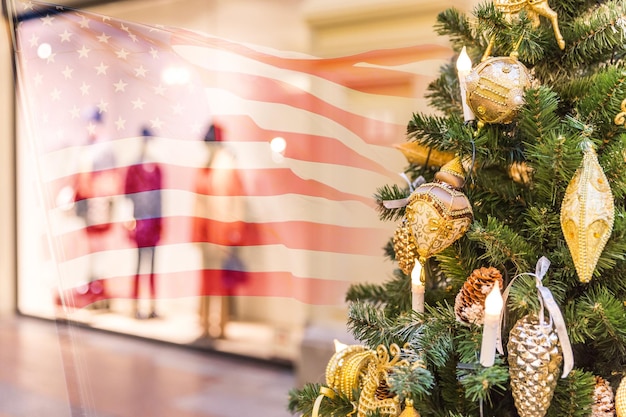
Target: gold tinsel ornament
x=438 y=213
x=620 y=399
x=376 y=395
x=534 y=360
x=603 y=399
x=469 y=304
x=495 y=89
x=587 y=214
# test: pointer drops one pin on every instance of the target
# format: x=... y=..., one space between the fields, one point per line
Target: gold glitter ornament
x=603 y=399
x=620 y=399
x=534 y=358
x=469 y=304
x=495 y=89
x=587 y=214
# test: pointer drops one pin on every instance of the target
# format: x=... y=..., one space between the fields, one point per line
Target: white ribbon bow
x=547 y=300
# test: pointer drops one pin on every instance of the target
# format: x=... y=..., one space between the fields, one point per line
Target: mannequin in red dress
x=143 y=187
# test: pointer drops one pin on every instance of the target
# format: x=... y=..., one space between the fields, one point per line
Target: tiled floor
x=54 y=370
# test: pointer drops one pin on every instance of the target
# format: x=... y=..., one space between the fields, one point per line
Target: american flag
x=90 y=86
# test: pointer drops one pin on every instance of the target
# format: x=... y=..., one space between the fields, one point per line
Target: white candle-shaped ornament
x=491 y=324
x=417 y=287
x=463 y=68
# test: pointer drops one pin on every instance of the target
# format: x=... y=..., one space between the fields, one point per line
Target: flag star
x=51 y=57
x=91 y=129
x=84 y=89
x=159 y=90
x=156 y=123
x=67 y=72
x=101 y=69
x=196 y=127
x=103 y=106
x=65 y=36
x=104 y=38
x=122 y=53
x=138 y=104
x=84 y=23
x=120 y=123
x=124 y=27
x=83 y=52
x=141 y=71
x=120 y=86
x=74 y=112
x=28 y=5
x=34 y=40
x=132 y=36
x=47 y=21
x=177 y=109
x=56 y=94
x=38 y=79
x=154 y=52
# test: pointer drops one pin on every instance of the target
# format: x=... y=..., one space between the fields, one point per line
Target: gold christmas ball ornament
x=439 y=213
x=587 y=214
x=346 y=368
x=534 y=361
x=404 y=247
x=409 y=411
x=603 y=399
x=495 y=89
x=620 y=399
x=469 y=304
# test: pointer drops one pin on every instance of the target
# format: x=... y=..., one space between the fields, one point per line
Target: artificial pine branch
x=389 y=193
x=573 y=396
x=301 y=401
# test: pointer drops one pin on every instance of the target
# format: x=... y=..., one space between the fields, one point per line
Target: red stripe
x=342 y=70
x=291 y=234
x=256 y=182
x=190 y=284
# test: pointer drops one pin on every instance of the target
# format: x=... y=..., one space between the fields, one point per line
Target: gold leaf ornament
x=587 y=214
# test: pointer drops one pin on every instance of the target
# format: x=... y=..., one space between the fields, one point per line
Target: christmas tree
x=531 y=203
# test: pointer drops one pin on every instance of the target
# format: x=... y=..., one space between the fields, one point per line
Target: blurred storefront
x=299 y=216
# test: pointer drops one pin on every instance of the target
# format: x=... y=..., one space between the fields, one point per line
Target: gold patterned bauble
x=495 y=89
x=603 y=399
x=620 y=399
x=534 y=9
x=404 y=247
x=587 y=214
x=375 y=395
x=469 y=304
x=346 y=368
x=534 y=361
x=438 y=212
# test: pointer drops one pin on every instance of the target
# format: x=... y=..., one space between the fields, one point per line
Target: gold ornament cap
x=452 y=173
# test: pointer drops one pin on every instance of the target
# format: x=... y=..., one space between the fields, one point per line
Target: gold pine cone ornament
x=534 y=358
x=495 y=89
x=439 y=213
x=587 y=214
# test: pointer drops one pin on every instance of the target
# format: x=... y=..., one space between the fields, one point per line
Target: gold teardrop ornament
x=587 y=214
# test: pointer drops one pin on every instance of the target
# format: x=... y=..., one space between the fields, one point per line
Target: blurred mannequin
x=218 y=178
x=143 y=187
x=97 y=186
